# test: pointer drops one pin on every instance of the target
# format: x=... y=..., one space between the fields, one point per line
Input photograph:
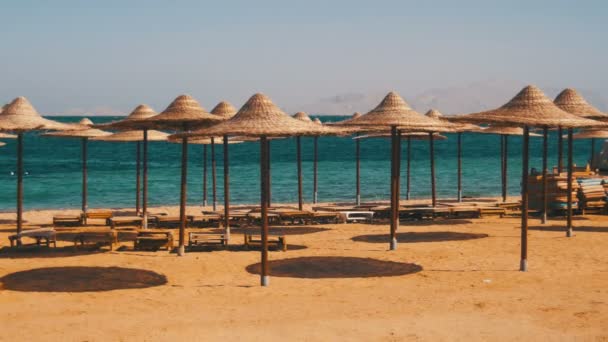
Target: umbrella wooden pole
x=264 y=272
x=502 y=168
x=137 y=177
x=560 y=150
x=592 y=154
x=394 y=207
x=409 y=161
x=269 y=174
x=315 y=162
x=204 y=175
x=182 y=198
x=398 y=170
x=226 y=190
x=544 y=180
x=19 y=183
x=459 y=157
x=145 y=181
x=213 y=175
x=358 y=170
x=84 y=175
x=299 y=165
x=570 y=171
x=432 y=149
x=523 y=265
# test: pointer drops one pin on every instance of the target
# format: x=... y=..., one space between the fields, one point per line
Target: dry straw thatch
x=79 y=133
x=2 y=144
x=302 y=117
x=393 y=111
x=184 y=113
x=85 y=122
x=463 y=127
x=317 y=121
x=530 y=107
x=260 y=117
x=138 y=114
x=20 y=116
x=505 y=130
x=572 y=102
x=7 y=136
x=224 y=109
x=411 y=135
x=134 y=136
x=590 y=134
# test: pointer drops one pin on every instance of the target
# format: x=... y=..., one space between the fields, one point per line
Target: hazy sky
x=108 y=56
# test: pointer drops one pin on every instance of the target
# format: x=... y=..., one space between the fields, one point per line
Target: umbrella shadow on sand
x=80 y=279
x=298 y=230
x=335 y=267
x=33 y=251
x=413 y=237
x=562 y=228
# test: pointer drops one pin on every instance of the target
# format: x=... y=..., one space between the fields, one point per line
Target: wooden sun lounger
x=97 y=215
x=67 y=220
x=277 y=241
x=154 y=240
x=207 y=239
x=128 y=221
x=325 y=217
x=172 y=221
x=101 y=238
x=294 y=216
x=48 y=235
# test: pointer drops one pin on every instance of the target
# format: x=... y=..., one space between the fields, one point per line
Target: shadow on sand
x=32 y=251
x=302 y=230
x=335 y=267
x=81 y=279
x=412 y=237
x=562 y=228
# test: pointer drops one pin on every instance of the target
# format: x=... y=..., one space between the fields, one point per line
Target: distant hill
x=451 y=100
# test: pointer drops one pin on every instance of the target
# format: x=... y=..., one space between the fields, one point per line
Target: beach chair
x=46 y=235
x=172 y=221
x=357 y=216
x=205 y=239
x=275 y=241
x=325 y=217
x=293 y=216
x=125 y=221
x=100 y=238
x=104 y=215
x=67 y=220
x=153 y=240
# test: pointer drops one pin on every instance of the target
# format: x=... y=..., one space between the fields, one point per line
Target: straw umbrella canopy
x=572 y=102
x=83 y=135
x=302 y=117
x=19 y=117
x=504 y=132
x=259 y=117
x=2 y=143
x=137 y=137
x=7 y=136
x=183 y=114
x=591 y=134
x=395 y=114
x=531 y=108
x=131 y=122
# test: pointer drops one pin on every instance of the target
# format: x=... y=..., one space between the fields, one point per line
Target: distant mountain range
x=452 y=100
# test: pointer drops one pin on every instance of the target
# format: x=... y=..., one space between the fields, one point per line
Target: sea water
x=53 y=169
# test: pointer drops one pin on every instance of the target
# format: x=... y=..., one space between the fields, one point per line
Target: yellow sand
x=468 y=289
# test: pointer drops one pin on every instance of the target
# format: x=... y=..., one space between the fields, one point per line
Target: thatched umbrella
x=19 y=117
x=531 y=108
x=302 y=117
x=259 y=117
x=183 y=114
x=131 y=122
x=138 y=137
x=225 y=111
x=395 y=114
x=408 y=137
x=7 y=136
x=572 y=102
x=84 y=135
x=505 y=132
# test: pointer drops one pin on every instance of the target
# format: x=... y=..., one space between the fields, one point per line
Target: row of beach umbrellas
x=259 y=119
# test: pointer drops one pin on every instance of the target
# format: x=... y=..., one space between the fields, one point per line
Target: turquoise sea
x=53 y=168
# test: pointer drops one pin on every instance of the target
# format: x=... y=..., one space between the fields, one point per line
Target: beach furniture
x=293 y=216
x=200 y=239
x=357 y=216
x=97 y=215
x=46 y=235
x=99 y=237
x=153 y=240
x=125 y=221
x=279 y=242
x=67 y=220
x=320 y=217
x=172 y=221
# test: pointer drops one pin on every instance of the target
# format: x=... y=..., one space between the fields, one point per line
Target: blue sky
x=107 y=56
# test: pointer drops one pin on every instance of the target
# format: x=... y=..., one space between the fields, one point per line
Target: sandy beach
x=448 y=280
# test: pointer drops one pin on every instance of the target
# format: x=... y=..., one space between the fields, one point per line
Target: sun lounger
x=293 y=216
x=206 y=239
x=46 y=235
x=153 y=240
x=67 y=220
x=273 y=218
x=357 y=216
x=97 y=215
x=172 y=221
x=101 y=238
x=325 y=217
x=125 y=221
x=276 y=241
